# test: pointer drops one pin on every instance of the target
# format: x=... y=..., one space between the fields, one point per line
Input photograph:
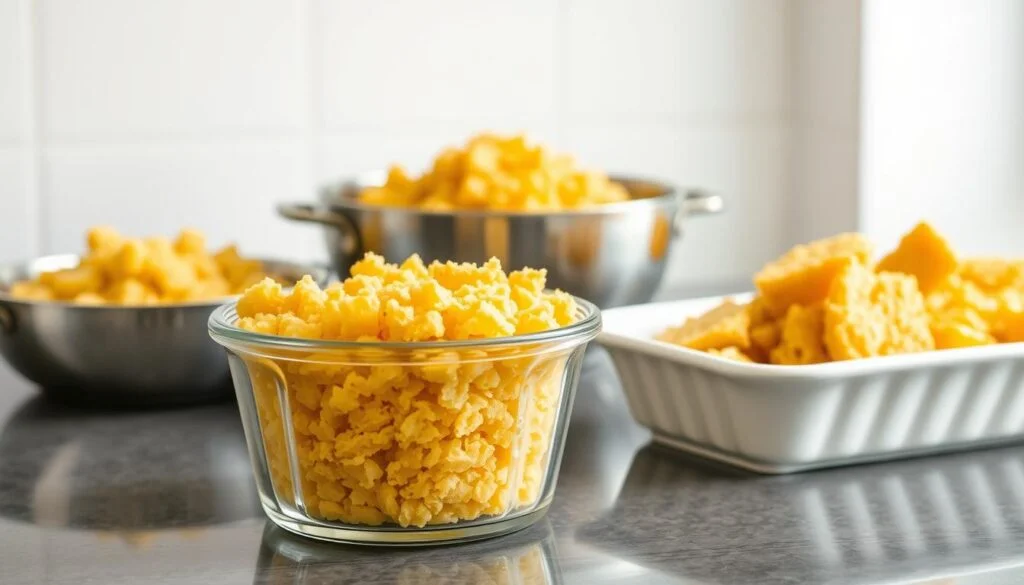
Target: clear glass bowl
x=405 y=443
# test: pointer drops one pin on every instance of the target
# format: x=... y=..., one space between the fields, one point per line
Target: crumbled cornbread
x=801 y=340
x=426 y=438
x=952 y=334
x=993 y=274
x=124 y=271
x=725 y=325
x=803 y=275
x=874 y=314
x=765 y=330
x=824 y=301
x=924 y=254
x=499 y=173
x=764 y=338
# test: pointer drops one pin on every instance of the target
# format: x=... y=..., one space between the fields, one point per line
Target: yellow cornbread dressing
x=126 y=271
x=827 y=301
x=498 y=173
x=429 y=437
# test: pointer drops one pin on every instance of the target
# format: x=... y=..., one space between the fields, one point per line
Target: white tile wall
x=15 y=72
x=943 y=121
x=228 y=192
x=720 y=62
x=153 y=115
x=826 y=117
x=407 y=62
x=18 y=226
x=114 y=69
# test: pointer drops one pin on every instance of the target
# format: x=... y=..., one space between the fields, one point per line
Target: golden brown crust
x=725 y=325
x=869 y=314
x=803 y=274
x=924 y=254
x=802 y=340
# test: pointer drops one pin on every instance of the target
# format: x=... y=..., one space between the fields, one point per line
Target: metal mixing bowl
x=108 y=355
x=611 y=254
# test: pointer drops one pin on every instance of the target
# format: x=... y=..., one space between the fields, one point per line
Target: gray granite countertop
x=166 y=497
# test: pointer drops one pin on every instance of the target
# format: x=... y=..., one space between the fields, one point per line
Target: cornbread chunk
x=923 y=253
x=959 y=324
x=875 y=314
x=952 y=334
x=1006 y=318
x=956 y=293
x=804 y=274
x=732 y=352
x=765 y=330
x=1012 y=328
x=760 y=312
x=802 y=339
x=725 y=325
x=764 y=338
x=992 y=275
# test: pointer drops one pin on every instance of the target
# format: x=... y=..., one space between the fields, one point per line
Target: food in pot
x=497 y=173
x=118 y=270
x=826 y=301
x=427 y=437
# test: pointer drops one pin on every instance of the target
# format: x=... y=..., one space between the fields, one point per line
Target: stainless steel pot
x=611 y=255
x=148 y=355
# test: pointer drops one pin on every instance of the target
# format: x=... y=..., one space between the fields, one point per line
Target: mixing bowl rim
x=329 y=197
x=321 y=274
x=222 y=329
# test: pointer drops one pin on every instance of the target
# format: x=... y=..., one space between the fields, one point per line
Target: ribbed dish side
x=800 y=421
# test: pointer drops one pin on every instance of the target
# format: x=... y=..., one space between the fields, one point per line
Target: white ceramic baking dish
x=783 y=419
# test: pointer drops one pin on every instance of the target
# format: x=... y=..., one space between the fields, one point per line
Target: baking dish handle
x=696 y=202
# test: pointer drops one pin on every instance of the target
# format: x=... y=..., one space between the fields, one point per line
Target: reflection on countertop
x=126 y=473
x=525 y=557
x=918 y=519
x=166 y=497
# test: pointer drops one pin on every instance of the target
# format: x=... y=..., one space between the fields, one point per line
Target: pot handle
x=313 y=213
x=324 y=216
x=696 y=202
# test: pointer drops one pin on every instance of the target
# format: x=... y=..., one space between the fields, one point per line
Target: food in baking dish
x=828 y=301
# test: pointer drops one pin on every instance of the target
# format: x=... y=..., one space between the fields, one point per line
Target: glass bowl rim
x=221 y=327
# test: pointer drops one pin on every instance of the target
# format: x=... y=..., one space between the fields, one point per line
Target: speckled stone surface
x=166 y=497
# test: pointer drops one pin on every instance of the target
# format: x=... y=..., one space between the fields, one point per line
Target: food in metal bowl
x=607 y=238
x=497 y=173
x=133 y=271
x=125 y=325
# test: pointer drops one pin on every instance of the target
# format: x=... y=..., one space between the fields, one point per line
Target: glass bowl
x=405 y=443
